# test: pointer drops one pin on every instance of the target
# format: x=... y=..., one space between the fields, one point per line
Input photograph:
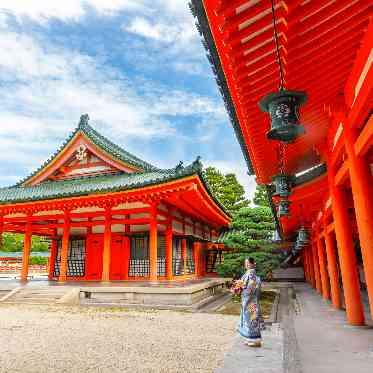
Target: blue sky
x=137 y=67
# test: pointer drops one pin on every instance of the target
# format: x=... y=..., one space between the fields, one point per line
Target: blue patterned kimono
x=251 y=322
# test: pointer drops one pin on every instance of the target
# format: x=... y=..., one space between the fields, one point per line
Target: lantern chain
x=281 y=158
x=277 y=46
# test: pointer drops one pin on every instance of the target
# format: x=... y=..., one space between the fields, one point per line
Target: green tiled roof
x=111 y=148
x=83 y=186
x=103 y=143
x=96 y=184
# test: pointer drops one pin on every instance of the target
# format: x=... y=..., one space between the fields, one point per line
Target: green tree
x=226 y=189
x=251 y=235
x=13 y=242
x=260 y=197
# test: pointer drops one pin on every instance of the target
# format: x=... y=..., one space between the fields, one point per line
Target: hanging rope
x=277 y=46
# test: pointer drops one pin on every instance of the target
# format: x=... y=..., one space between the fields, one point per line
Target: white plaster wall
x=139 y=228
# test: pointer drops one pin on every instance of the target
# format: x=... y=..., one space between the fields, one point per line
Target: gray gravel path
x=67 y=339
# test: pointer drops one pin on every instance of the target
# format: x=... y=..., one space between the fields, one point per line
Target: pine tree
x=251 y=235
x=260 y=197
x=227 y=189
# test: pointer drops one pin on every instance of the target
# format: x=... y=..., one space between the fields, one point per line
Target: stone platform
x=186 y=294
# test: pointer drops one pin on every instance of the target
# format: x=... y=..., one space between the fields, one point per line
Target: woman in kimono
x=251 y=322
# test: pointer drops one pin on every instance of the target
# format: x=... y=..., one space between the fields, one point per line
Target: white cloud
x=162 y=30
x=42 y=10
x=168 y=28
x=46 y=89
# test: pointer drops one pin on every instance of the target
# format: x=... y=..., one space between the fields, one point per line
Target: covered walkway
x=326 y=343
x=309 y=336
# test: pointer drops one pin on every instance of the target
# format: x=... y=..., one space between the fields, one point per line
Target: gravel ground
x=68 y=339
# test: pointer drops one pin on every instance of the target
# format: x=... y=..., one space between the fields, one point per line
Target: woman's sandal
x=254 y=344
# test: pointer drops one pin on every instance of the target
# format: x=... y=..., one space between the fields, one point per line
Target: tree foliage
x=260 y=197
x=13 y=242
x=251 y=235
x=226 y=189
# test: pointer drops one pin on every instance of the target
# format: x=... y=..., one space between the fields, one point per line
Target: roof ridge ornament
x=84 y=119
x=179 y=167
x=197 y=164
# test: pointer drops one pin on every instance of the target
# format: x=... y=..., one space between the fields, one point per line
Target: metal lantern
x=283 y=208
x=282 y=107
x=282 y=184
x=303 y=237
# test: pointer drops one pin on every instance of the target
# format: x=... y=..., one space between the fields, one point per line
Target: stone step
x=34 y=296
x=30 y=301
x=37 y=296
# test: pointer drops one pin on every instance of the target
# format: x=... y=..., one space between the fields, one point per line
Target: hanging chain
x=277 y=46
x=281 y=157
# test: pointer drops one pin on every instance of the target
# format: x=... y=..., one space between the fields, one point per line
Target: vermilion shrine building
x=323 y=48
x=111 y=216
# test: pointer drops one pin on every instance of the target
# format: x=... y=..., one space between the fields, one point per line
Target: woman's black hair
x=251 y=260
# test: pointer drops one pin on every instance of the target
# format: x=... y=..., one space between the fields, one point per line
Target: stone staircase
x=34 y=295
x=4 y=292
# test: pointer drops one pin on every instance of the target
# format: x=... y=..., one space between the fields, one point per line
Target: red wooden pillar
x=305 y=266
x=346 y=253
x=153 y=245
x=333 y=270
x=65 y=247
x=184 y=254
x=323 y=270
x=316 y=266
x=362 y=193
x=1 y=231
x=52 y=258
x=197 y=257
x=169 y=240
x=107 y=246
x=26 y=250
x=311 y=266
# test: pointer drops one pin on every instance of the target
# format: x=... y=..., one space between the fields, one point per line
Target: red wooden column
x=169 y=240
x=346 y=253
x=197 y=257
x=307 y=261
x=1 y=229
x=323 y=270
x=65 y=247
x=184 y=254
x=52 y=258
x=332 y=269
x=316 y=266
x=153 y=244
x=26 y=250
x=306 y=264
x=107 y=246
x=303 y=262
x=362 y=193
x=312 y=268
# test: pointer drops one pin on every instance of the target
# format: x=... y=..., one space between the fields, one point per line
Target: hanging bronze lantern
x=282 y=107
x=302 y=238
x=282 y=184
x=283 y=208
